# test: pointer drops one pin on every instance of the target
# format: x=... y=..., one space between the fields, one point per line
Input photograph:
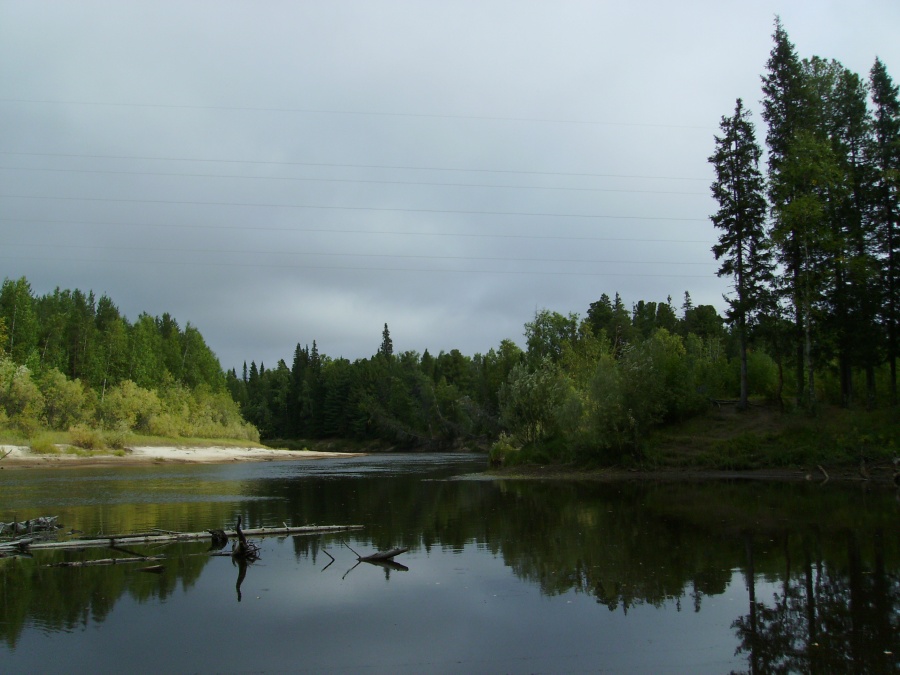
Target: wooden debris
x=381 y=555
x=154 y=569
x=104 y=561
x=244 y=550
x=151 y=537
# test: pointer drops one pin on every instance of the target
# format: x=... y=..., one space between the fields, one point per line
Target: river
x=501 y=576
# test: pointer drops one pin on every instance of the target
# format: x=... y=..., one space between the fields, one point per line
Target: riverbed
x=506 y=575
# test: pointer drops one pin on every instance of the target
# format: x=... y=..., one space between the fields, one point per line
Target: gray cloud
x=291 y=172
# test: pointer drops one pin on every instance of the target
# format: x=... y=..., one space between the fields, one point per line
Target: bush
x=83 y=436
x=66 y=402
x=43 y=445
x=129 y=405
x=20 y=399
x=504 y=451
x=117 y=438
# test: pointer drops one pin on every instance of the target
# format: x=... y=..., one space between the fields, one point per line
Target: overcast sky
x=284 y=172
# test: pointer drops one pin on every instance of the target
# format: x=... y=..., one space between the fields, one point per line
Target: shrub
x=504 y=451
x=20 y=398
x=83 y=436
x=43 y=445
x=117 y=438
x=129 y=405
x=66 y=402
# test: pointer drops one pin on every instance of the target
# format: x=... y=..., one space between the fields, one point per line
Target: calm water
x=501 y=576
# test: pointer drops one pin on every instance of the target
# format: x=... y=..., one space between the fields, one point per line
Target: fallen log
x=382 y=555
x=152 y=538
x=104 y=561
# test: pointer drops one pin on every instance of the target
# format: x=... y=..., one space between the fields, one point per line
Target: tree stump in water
x=244 y=550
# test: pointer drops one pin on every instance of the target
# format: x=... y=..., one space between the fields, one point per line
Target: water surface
x=501 y=576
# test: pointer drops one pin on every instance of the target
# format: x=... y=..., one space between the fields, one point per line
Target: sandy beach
x=21 y=457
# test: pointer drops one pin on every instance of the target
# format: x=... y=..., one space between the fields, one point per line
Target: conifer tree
x=387 y=345
x=850 y=293
x=743 y=246
x=886 y=204
x=785 y=107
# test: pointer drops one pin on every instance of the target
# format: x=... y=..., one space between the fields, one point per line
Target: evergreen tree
x=743 y=246
x=786 y=104
x=851 y=290
x=885 y=153
x=387 y=345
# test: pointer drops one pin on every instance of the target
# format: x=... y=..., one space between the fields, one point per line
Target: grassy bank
x=762 y=442
x=766 y=438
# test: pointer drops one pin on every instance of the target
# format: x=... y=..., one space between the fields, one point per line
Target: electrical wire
x=397 y=167
x=350 y=208
x=343 y=180
x=405 y=233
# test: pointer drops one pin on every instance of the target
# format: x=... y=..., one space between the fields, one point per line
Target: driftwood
x=42 y=524
x=244 y=550
x=155 y=537
x=106 y=561
x=380 y=556
x=383 y=559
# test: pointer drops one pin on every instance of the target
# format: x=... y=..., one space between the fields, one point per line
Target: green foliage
x=66 y=402
x=43 y=444
x=117 y=438
x=83 y=436
x=21 y=401
x=128 y=405
x=531 y=401
x=74 y=362
x=504 y=451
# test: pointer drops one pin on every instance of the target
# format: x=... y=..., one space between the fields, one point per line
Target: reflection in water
x=817 y=572
x=242 y=572
x=828 y=616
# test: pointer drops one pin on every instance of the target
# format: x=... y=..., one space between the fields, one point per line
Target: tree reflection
x=830 y=616
x=836 y=607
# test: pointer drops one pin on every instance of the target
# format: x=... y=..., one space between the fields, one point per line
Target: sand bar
x=21 y=457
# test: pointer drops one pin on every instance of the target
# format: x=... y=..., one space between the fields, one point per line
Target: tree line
x=813 y=247
x=546 y=394
x=71 y=361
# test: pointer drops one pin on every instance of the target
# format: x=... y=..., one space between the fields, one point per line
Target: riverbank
x=881 y=474
x=22 y=457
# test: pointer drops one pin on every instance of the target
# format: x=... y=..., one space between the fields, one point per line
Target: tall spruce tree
x=743 y=245
x=785 y=106
x=885 y=152
x=850 y=303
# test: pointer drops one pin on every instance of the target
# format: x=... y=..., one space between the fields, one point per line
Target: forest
x=73 y=363
x=807 y=239
x=809 y=243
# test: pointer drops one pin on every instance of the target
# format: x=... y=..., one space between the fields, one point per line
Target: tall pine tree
x=743 y=246
x=886 y=202
x=785 y=107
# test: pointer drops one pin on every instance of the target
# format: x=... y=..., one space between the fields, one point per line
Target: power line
x=243 y=251
x=405 y=233
x=358 y=113
x=350 y=208
x=268 y=265
x=398 y=167
x=344 y=180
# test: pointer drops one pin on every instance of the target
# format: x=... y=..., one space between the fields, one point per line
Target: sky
x=287 y=172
